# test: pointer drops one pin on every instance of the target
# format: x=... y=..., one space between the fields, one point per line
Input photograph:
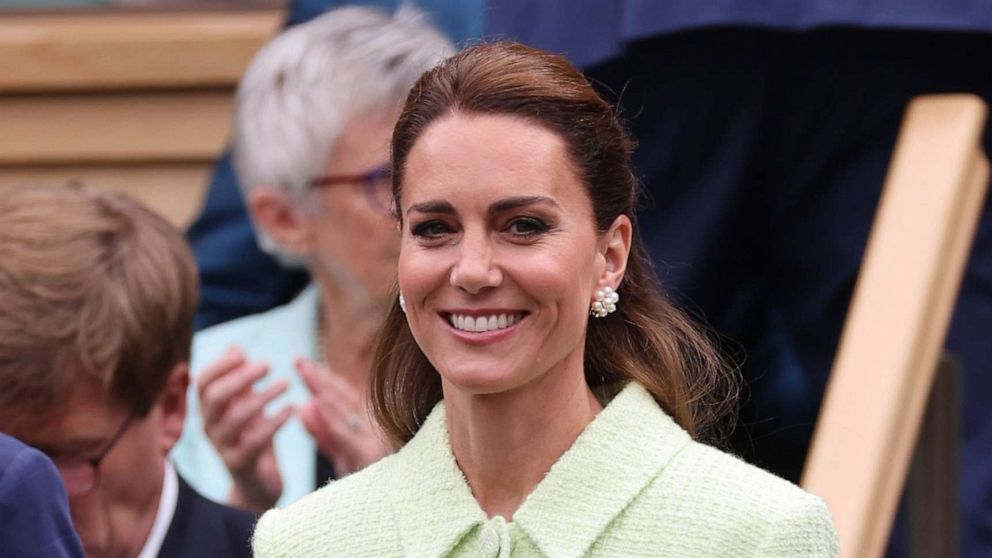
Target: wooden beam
x=898 y=319
x=174 y=190
x=122 y=50
x=125 y=127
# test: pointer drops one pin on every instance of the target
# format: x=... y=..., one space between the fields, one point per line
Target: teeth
x=482 y=324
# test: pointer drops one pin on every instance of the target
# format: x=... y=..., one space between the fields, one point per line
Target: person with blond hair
x=96 y=326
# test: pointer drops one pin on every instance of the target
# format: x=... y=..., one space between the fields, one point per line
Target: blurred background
x=766 y=131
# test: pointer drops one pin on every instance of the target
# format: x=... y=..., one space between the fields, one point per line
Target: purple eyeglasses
x=376 y=184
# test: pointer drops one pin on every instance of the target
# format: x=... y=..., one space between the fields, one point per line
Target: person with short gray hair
x=279 y=406
x=299 y=95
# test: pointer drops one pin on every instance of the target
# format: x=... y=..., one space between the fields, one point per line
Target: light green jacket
x=633 y=484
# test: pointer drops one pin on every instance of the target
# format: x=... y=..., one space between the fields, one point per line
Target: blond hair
x=93 y=284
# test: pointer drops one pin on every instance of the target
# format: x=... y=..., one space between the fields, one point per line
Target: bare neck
x=141 y=528
x=505 y=443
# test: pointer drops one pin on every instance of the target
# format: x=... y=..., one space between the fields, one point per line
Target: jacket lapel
x=612 y=461
x=433 y=503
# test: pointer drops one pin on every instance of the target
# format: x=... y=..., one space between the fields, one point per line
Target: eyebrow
x=432 y=206
x=508 y=204
x=516 y=203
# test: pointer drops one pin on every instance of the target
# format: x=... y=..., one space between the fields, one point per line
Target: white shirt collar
x=163 y=517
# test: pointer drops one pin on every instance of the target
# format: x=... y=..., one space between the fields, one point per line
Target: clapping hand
x=235 y=423
x=338 y=420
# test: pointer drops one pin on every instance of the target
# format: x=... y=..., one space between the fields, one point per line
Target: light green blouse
x=633 y=484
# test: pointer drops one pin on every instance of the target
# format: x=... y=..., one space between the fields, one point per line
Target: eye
x=430 y=230
x=527 y=227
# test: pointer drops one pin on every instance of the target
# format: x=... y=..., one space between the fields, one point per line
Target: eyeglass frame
x=367 y=180
x=92 y=466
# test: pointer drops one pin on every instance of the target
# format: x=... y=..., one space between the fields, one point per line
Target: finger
x=335 y=433
x=340 y=389
x=217 y=395
x=328 y=386
x=318 y=425
x=314 y=376
x=230 y=359
x=241 y=411
x=255 y=440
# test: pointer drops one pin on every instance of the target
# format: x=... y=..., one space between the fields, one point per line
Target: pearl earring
x=402 y=304
x=605 y=302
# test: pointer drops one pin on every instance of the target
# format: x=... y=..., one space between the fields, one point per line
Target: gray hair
x=304 y=86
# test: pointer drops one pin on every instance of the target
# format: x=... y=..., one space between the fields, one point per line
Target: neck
x=347 y=329
x=142 y=527
x=506 y=443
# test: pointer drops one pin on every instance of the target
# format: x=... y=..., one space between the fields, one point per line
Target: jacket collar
x=433 y=503
x=610 y=463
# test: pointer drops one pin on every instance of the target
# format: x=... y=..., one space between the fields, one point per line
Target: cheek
x=563 y=277
x=140 y=451
x=419 y=273
x=417 y=279
x=385 y=238
x=359 y=240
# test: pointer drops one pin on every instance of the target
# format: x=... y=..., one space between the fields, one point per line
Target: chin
x=486 y=380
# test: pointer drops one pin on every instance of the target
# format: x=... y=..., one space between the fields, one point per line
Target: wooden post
x=898 y=319
x=932 y=486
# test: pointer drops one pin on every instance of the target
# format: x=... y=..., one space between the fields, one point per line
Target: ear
x=615 y=249
x=172 y=406
x=281 y=219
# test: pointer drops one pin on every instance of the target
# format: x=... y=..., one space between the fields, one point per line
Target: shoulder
x=346 y=517
x=757 y=509
x=266 y=331
x=11 y=449
x=242 y=330
x=34 y=510
x=26 y=472
x=202 y=527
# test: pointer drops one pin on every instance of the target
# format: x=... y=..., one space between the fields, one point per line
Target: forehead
x=498 y=155
x=86 y=414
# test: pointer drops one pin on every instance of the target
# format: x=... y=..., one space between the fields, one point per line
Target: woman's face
x=499 y=254
x=355 y=244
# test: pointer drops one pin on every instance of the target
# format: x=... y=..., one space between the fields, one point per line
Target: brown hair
x=92 y=284
x=647 y=340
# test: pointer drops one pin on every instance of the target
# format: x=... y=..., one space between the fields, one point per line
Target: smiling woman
x=547 y=393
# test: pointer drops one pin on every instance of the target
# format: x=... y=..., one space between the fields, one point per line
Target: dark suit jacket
x=203 y=528
x=34 y=510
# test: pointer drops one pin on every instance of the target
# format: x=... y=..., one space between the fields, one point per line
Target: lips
x=483 y=323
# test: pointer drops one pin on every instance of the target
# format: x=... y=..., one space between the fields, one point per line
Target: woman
x=279 y=399
x=547 y=393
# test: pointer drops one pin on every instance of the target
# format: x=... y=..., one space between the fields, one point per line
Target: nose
x=475 y=270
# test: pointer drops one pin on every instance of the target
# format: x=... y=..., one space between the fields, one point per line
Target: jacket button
x=489 y=542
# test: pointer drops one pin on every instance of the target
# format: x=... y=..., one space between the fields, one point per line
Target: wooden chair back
x=898 y=318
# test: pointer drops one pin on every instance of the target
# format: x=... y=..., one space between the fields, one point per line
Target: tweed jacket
x=277 y=337
x=633 y=484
